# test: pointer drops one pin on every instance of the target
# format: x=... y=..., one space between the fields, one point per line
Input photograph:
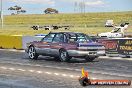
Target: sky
x=68 y=6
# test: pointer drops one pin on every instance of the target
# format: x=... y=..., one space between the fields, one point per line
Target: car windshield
x=79 y=37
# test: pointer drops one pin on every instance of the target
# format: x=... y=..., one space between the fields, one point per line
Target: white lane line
x=13 y=50
x=49 y=73
x=92 y=71
x=77 y=76
x=93 y=78
x=71 y=76
x=31 y=70
x=12 y=69
x=115 y=58
x=37 y=65
x=54 y=67
x=127 y=59
x=56 y=73
x=39 y=72
x=118 y=58
x=3 y=68
x=64 y=75
x=21 y=70
x=110 y=73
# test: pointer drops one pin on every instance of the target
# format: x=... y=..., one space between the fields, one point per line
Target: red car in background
x=65 y=45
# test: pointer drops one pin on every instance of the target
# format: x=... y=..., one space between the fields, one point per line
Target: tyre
x=33 y=27
x=64 y=57
x=32 y=53
x=90 y=59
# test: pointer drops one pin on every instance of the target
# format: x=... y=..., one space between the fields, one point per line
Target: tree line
x=18 y=10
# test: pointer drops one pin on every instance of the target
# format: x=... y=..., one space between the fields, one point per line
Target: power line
x=84 y=6
x=75 y=7
x=80 y=6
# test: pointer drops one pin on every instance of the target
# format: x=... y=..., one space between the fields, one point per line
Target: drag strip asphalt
x=17 y=70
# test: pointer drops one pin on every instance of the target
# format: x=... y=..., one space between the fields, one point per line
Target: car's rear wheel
x=64 y=57
x=90 y=59
x=32 y=53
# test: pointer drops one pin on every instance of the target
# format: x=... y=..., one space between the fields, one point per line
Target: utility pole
x=84 y=6
x=81 y=7
x=75 y=7
x=1 y=14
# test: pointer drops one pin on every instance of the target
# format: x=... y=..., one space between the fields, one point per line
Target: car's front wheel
x=32 y=53
x=64 y=57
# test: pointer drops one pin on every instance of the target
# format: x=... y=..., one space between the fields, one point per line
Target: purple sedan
x=64 y=46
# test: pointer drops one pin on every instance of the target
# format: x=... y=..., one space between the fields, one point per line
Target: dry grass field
x=90 y=23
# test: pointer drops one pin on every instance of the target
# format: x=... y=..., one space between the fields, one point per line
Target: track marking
x=56 y=73
x=77 y=76
x=71 y=76
x=78 y=70
x=3 y=68
x=93 y=78
x=13 y=50
x=49 y=73
x=12 y=69
x=40 y=72
x=115 y=58
x=31 y=70
x=21 y=70
x=64 y=75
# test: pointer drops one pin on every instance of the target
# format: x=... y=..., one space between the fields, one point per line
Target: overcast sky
x=67 y=6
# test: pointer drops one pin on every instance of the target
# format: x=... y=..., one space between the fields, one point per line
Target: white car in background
x=109 y=23
x=117 y=32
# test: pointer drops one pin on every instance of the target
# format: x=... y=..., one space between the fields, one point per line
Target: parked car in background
x=109 y=23
x=64 y=46
x=117 y=32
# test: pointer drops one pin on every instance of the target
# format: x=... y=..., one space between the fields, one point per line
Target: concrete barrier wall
x=17 y=41
x=11 y=41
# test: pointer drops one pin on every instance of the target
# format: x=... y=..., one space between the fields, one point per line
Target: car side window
x=72 y=38
x=48 y=38
x=59 y=38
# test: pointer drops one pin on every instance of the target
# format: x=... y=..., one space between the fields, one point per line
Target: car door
x=57 y=43
x=45 y=44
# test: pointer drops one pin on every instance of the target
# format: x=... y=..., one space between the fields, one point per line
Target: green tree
x=51 y=11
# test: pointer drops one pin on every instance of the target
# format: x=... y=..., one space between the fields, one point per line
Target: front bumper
x=77 y=53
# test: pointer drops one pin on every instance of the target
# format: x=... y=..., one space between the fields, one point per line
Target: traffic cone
x=84 y=79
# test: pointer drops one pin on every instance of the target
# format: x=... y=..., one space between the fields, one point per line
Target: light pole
x=84 y=6
x=1 y=14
